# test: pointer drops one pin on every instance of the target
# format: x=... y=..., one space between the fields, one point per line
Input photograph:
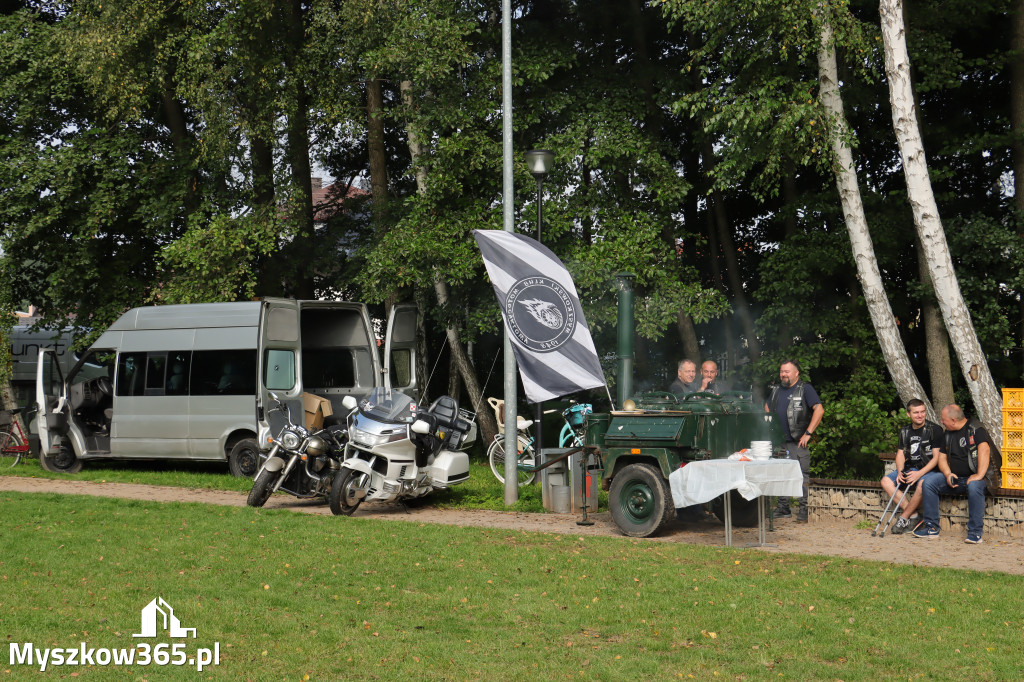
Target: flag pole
x=508 y=213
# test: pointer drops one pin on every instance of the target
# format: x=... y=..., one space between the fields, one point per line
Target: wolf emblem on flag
x=542 y=314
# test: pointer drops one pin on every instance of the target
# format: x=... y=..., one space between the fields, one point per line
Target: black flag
x=542 y=314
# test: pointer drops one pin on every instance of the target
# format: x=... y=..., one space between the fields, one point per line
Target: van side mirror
x=349 y=403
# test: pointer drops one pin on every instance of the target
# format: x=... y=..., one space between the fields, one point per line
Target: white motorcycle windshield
x=384 y=404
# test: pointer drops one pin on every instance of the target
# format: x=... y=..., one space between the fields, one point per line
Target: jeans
x=802 y=455
x=934 y=484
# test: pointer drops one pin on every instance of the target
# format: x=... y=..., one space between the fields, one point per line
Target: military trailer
x=657 y=433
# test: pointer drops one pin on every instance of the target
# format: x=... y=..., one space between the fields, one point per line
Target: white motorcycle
x=398 y=452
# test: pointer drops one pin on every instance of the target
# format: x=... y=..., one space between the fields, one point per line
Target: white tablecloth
x=703 y=481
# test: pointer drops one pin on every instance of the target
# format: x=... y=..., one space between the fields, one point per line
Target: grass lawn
x=286 y=596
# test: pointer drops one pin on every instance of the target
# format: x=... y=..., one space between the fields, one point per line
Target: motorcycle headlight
x=316 y=446
x=372 y=439
x=290 y=440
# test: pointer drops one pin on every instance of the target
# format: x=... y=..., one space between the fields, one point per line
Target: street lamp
x=539 y=161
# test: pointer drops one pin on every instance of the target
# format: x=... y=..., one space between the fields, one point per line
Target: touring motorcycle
x=396 y=451
x=301 y=462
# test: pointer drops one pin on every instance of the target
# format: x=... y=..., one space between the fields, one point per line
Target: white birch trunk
x=870 y=278
x=973 y=363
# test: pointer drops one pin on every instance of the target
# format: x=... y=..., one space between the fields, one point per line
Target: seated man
x=916 y=455
x=686 y=379
x=964 y=457
x=709 y=380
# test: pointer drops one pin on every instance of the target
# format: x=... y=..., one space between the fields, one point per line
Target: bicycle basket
x=577 y=414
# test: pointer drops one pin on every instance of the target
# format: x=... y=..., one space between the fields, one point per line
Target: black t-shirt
x=917 y=444
x=960 y=444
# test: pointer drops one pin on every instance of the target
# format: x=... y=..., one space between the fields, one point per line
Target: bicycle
x=13 y=443
x=572 y=435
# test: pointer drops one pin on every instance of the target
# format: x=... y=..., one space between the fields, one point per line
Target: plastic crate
x=1013 y=418
x=1013 y=438
x=1013 y=478
x=1013 y=397
x=1013 y=458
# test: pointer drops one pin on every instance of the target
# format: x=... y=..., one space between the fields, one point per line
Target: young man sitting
x=916 y=455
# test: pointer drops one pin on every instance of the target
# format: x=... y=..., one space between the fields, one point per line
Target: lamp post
x=539 y=161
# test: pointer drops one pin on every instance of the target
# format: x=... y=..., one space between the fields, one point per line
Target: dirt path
x=995 y=554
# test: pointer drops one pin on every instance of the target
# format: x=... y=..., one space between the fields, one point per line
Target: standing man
x=964 y=457
x=799 y=410
x=709 y=378
x=686 y=379
x=916 y=455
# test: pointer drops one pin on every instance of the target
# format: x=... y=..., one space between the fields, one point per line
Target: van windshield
x=385 y=404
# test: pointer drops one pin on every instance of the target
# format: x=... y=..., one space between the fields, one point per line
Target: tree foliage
x=157 y=152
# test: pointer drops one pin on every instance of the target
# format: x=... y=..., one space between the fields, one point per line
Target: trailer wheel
x=640 y=500
x=744 y=511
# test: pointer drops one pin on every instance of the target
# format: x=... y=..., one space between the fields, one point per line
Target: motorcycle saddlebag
x=449 y=468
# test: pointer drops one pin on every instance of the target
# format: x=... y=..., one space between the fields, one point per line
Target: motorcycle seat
x=446 y=411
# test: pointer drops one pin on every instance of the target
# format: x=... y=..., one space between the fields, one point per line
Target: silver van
x=192 y=381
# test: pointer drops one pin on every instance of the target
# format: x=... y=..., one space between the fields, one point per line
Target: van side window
x=279 y=370
x=131 y=374
x=177 y=374
x=223 y=372
x=327 y=368
x=156 y=364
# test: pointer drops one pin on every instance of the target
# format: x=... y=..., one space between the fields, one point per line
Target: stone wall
x=830 y=500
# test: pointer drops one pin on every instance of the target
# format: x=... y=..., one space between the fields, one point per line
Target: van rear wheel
x=244 y=459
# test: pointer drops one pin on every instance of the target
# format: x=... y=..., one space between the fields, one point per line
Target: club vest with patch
x=995 y=458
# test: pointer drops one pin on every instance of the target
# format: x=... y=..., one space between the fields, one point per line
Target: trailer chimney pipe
x=624 y=385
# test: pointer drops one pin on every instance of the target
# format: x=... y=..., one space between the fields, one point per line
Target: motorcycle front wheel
x=343 y=488
x=261 y=488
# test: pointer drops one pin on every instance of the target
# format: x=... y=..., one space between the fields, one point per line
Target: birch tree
x=928 y=224
x=877 y=301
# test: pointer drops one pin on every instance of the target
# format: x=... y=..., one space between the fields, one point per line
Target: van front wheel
x=244 y=459
x=64 y=462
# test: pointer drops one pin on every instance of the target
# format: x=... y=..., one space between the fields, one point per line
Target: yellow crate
x=1013 y=478
x=1013 y=418
x=1013 y=397
x=1013 y=438
x=1013 y=458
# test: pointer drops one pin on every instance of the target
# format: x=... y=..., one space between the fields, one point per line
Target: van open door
x=279 y=369
x=51 y=398
x=400 y=350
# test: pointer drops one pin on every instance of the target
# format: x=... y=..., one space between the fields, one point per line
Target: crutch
x=887 y=506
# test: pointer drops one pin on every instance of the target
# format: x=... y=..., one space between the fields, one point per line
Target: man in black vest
x=916 y=455
x=799 y=410
x=965 y=454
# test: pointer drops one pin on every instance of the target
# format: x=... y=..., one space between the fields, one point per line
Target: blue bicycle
x=573 y=434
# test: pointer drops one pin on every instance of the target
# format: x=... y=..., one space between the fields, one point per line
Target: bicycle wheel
x=10 y=448
x=496 y=456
